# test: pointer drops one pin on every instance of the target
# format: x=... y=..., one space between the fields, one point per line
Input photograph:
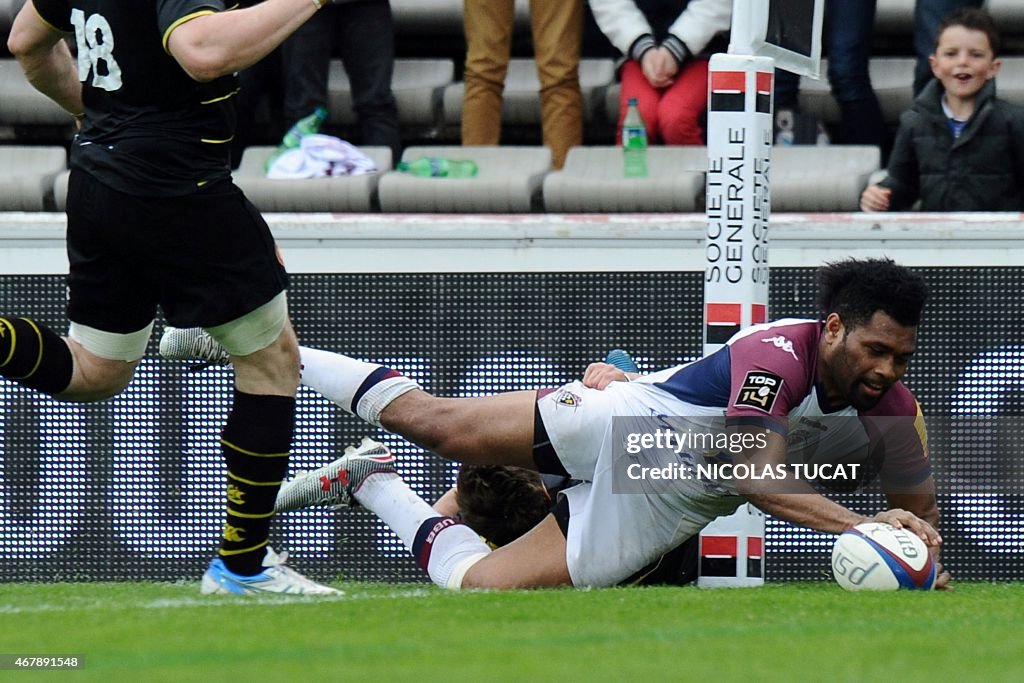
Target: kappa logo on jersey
x=781 y=342
x=759 y=390
x=567 y=398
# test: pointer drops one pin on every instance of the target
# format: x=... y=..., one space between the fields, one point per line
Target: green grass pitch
x=388 y=632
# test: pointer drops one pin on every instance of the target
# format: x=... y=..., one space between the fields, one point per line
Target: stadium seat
x=336 y=194
x=509 y=181
x=891 y=77
x=417 y=83
x=895 y=17
x=828 y=178
x=611 y=104
x=592 y=181
x=21 y=104
x=442 y=17
x=894 y=24
x=60 y=190
x=1008 y=15
x=26 y=176
x=1010 y=79
x=521 y=101
x=8 y=10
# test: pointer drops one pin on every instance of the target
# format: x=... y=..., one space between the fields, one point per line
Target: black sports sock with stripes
x=34 y=356
x=256 y=442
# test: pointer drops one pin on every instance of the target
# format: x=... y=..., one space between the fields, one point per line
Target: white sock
x=357 y=387
x=442 y=546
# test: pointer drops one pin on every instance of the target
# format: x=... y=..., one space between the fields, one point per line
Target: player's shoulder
x=773 y=365
x=789 y=339
x=794 y=328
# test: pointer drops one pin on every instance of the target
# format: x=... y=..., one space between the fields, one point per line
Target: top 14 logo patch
x=759 y=390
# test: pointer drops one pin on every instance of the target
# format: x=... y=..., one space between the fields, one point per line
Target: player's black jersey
x=149 y=128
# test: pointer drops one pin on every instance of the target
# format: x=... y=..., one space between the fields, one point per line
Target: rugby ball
x=879 y=557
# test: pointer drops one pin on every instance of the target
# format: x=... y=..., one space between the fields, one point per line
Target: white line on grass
x=211 y=601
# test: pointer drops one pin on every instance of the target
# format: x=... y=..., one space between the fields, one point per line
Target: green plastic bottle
x=436 y=167
x=634 y=142
x=307 y=125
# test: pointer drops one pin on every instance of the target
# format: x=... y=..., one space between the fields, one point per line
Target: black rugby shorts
x=205 y=258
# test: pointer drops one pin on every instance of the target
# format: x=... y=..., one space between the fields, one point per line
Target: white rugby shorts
x=612 y=536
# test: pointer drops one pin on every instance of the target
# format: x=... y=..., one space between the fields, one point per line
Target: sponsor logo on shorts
x=567 y=398
x=759 y=390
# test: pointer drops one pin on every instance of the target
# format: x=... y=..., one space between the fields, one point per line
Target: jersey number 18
x=100 y=51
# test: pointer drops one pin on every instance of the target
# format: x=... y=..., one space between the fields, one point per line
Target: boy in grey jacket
x=960 y=148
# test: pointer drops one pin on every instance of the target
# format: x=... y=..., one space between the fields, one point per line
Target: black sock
x=34 y=356
x=256 y=442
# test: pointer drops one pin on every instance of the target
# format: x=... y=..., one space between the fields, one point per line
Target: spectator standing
x=362 y=33
x=849 y=26
x=557 y=31
x=664 y=68
x=960 y=148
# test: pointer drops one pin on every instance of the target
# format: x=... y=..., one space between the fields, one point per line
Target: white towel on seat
x=321 y=156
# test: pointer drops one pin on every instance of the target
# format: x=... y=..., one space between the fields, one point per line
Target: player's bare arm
x=217 y=44
x=45 y=59
x=920 y=501
x=783 y=498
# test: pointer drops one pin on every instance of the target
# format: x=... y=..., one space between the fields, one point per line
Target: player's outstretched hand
x=902 y=518
x=600 y=375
